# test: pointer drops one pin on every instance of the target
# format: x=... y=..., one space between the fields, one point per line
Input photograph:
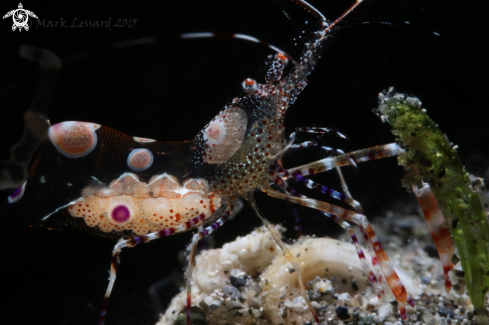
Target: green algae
x=430 y=158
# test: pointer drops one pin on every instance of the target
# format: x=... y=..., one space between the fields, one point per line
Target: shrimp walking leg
x=287 y=254
x=192 y=252
x=195 y=222
x=387 y=268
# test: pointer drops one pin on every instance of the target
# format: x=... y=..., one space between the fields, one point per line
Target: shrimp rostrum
x=142 y=189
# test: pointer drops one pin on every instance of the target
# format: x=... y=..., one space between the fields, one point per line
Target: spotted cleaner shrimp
x=289 y=63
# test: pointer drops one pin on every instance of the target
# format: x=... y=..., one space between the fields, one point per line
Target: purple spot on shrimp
x=166 y=232
x=121 y=214
x=410 y=301
x=17 y=195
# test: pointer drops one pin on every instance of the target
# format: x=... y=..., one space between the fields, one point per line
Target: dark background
x=170 y=90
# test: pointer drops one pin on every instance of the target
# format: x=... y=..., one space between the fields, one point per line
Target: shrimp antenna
x=137 y=42
x=286 y=14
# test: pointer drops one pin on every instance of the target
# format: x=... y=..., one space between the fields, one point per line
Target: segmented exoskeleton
x=144 y=189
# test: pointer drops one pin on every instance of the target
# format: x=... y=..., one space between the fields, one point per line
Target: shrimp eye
x=282 y=57
x=249 y=86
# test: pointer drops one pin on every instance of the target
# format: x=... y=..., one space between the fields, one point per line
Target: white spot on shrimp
x=215 y=133
x=143 y=140
x=224 y=135
x=140 y=159
x=74 y=139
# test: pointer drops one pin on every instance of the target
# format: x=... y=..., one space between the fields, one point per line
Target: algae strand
x=434 y=161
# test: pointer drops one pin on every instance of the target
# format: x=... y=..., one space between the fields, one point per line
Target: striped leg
x=436 y=224
x=372 y=153
x=371 y=275
x=387 y=268
x=320 y=131
x=192 y=252
x=345 y=225
x=143 y=239
x=308 y=144
x=281 y=175
x=287 y=254
x=375 y=261
x=329 y=163
x=328 y=191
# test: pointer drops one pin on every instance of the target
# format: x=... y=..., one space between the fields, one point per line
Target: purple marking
x=354 y=238
x=330 y=215
x=410 y=301
x=371 y=277
x=17 y=195
x=402 y=310
x=297 y=220
x=165 y=232
x=325 y=190
x=140 y=239
x=121 y=214
x=194 y=221
x=292 y=191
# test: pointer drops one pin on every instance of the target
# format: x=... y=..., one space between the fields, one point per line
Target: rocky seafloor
x=249 y=281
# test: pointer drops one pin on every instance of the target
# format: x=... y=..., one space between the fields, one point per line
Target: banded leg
x=309 y=144
x=387 y=268
x=318 y=131
x=328 y=191
x=281 y=175
x=287 y=254
x=192 y=252
x=345 y=225
x=372 y=153
x=321 y=131
x=375 y=260
x=363 y=261
x=373 y=257
x=146 y=238
x=436 y=224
